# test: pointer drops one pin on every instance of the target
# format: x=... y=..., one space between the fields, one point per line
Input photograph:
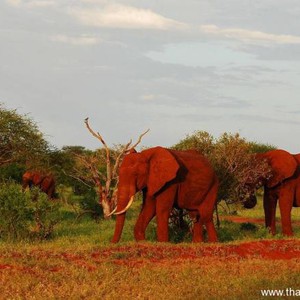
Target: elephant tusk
x=112 y=212
x=126 y=208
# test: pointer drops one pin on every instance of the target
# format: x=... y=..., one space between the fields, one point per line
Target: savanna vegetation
x=58 y=249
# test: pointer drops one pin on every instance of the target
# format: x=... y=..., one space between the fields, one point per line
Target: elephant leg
x=211 y=231
x=146 y=215
x=285 y=205
x=164 y=206
x=51 y=191
x=198 y=232
x=206 y=211
x=197 y=227
x=270 y=203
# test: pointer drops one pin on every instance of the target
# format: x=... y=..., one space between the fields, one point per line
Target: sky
x=172 y=66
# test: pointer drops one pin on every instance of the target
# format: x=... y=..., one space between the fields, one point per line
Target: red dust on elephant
x=282 y=187
x=168 y=178
x=45 y=182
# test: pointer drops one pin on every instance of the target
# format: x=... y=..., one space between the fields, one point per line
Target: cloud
x=80 y=40
x=121 y=16
x=264 y=119
x=15 y=3
x=249 y=36
x=41 y=3
x=95 y=1
x=31 y=4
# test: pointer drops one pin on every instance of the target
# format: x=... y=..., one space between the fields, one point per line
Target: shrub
x=236 y=167
x=180 y=226
x=26 y=215
x=45 y=214
x=15 y=212
x=90 y=205
x=233 y=160
x=11 y=172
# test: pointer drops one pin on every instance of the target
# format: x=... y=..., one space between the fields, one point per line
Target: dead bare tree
x=106 y=182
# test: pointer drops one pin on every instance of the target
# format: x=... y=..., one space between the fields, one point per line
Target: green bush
x=180 y=226
x=233 y=161
x=12 y=171
x=26 y=215
x=45 y=214
x=90 y=205
x=15 y=212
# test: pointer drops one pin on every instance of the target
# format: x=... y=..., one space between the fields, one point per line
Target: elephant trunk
x=119 y=228
x=123 y=203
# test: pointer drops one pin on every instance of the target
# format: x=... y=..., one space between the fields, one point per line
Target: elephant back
x=283 y=165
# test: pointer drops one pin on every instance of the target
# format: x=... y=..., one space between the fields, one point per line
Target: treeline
x=23 y=147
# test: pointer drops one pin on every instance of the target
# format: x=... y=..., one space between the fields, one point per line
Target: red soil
x=145 y=254
x=237 y=219
x=266 y=249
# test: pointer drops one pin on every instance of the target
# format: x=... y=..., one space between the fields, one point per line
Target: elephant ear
x=163 y=168
x=283 y=165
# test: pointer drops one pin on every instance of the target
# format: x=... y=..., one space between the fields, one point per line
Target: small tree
x=103 y=166
x=20 y=139
x=200 y=140
x=233 y=160
x=236 y=167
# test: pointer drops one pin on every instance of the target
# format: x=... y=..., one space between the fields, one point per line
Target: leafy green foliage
x=180 y=226
x=260 y=148
x=89 y=203
x=12 y=171
x=15 y=212
x=25 y=215
x=233 y=160
x=200 y=140
x=67 y=170
x=45 y=213
x=20 y=139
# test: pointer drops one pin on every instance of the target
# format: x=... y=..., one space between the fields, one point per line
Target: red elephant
x=283 y=186
x=45 y=182
x=168 y=178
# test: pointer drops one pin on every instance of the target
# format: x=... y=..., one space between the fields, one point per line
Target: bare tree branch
x=140 y=139
x=106 y=194
x=108 y=162
x=119 y=158
x=77 y=178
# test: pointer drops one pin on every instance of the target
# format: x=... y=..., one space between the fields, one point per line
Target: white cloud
x=95 y=1
x=78 y=41
x=250 y=36
x=41 y=3
x=15 y=3
x=121 y=16
x=31 y=4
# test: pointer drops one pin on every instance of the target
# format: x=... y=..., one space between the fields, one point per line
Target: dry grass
x=79 y=263
x=146 y=271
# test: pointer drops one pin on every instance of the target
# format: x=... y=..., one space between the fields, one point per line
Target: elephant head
x=149 y=170
x=250 y=201
x=30 y=178
x=283 y=166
